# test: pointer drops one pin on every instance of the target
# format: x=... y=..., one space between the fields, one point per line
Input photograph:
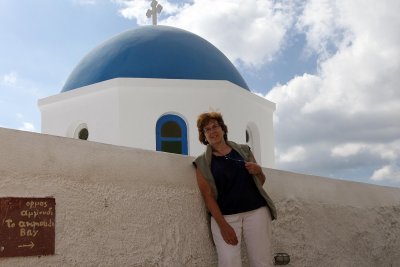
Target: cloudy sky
x=332 y=68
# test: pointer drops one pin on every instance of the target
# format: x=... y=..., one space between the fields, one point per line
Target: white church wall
x=124 y=111
x=255 y=112
x=187 y=99
x=119 y=206
x=95 y=107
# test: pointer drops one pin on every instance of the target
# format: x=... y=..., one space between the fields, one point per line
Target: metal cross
x=155 y=8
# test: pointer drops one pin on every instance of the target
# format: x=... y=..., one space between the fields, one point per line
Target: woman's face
x=213 y=132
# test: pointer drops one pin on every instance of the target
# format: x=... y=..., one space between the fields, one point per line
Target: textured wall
x=118 y=206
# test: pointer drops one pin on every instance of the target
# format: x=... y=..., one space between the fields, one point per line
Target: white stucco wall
x=124 y=111
x=62 y=114
x=119 y=206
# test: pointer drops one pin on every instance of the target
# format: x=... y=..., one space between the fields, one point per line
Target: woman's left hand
x=253 y=168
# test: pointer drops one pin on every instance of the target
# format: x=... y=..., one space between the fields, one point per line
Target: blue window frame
x=171 y=135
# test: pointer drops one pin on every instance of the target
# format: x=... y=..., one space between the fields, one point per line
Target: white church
x=145 y=87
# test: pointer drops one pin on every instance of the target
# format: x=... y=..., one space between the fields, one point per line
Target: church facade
x=144 y=88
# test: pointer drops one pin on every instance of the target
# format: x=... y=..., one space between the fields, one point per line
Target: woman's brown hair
x=204 y=118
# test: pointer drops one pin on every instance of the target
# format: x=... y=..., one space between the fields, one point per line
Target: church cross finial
x=155 y=8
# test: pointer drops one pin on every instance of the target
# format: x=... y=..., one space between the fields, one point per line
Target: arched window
x=171 y=134
x=82 y=132
x=249 y=138
x=253 y=140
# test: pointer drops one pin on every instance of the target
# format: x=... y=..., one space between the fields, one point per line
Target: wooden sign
x=27 y=226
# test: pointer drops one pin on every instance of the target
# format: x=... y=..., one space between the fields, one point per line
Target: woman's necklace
x=222 y=152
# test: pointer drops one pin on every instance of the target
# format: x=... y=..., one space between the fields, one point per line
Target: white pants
x=256 y=228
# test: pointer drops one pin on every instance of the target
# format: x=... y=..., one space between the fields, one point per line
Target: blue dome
x=154 y=52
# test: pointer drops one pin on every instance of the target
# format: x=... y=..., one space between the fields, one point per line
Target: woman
x=231 y=182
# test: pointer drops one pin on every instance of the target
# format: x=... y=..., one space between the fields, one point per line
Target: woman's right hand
x=228 y=234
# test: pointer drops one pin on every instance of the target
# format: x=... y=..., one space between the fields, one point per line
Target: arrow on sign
x=31 y=245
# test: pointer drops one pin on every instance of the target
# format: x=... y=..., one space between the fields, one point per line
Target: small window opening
x=83 y=134
x=171 y=135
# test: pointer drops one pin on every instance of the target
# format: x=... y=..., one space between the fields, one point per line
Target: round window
x=83 y=134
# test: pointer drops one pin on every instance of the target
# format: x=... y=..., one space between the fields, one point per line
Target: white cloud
x=387 y=172
x=20 y=85
x=385 y=151
x=246 y=31
x=9 y=79
x=346 y=115
x=27 y=126
x=294 y=154
x=84 y=2
x=345 y=150
x=320 y=21
x=134 y=10
x=137 y=9
x=389 y=151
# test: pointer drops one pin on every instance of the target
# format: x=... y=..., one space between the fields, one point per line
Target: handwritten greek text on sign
x=27 y=226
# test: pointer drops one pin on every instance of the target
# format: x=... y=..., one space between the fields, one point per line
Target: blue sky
x=330 y=66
